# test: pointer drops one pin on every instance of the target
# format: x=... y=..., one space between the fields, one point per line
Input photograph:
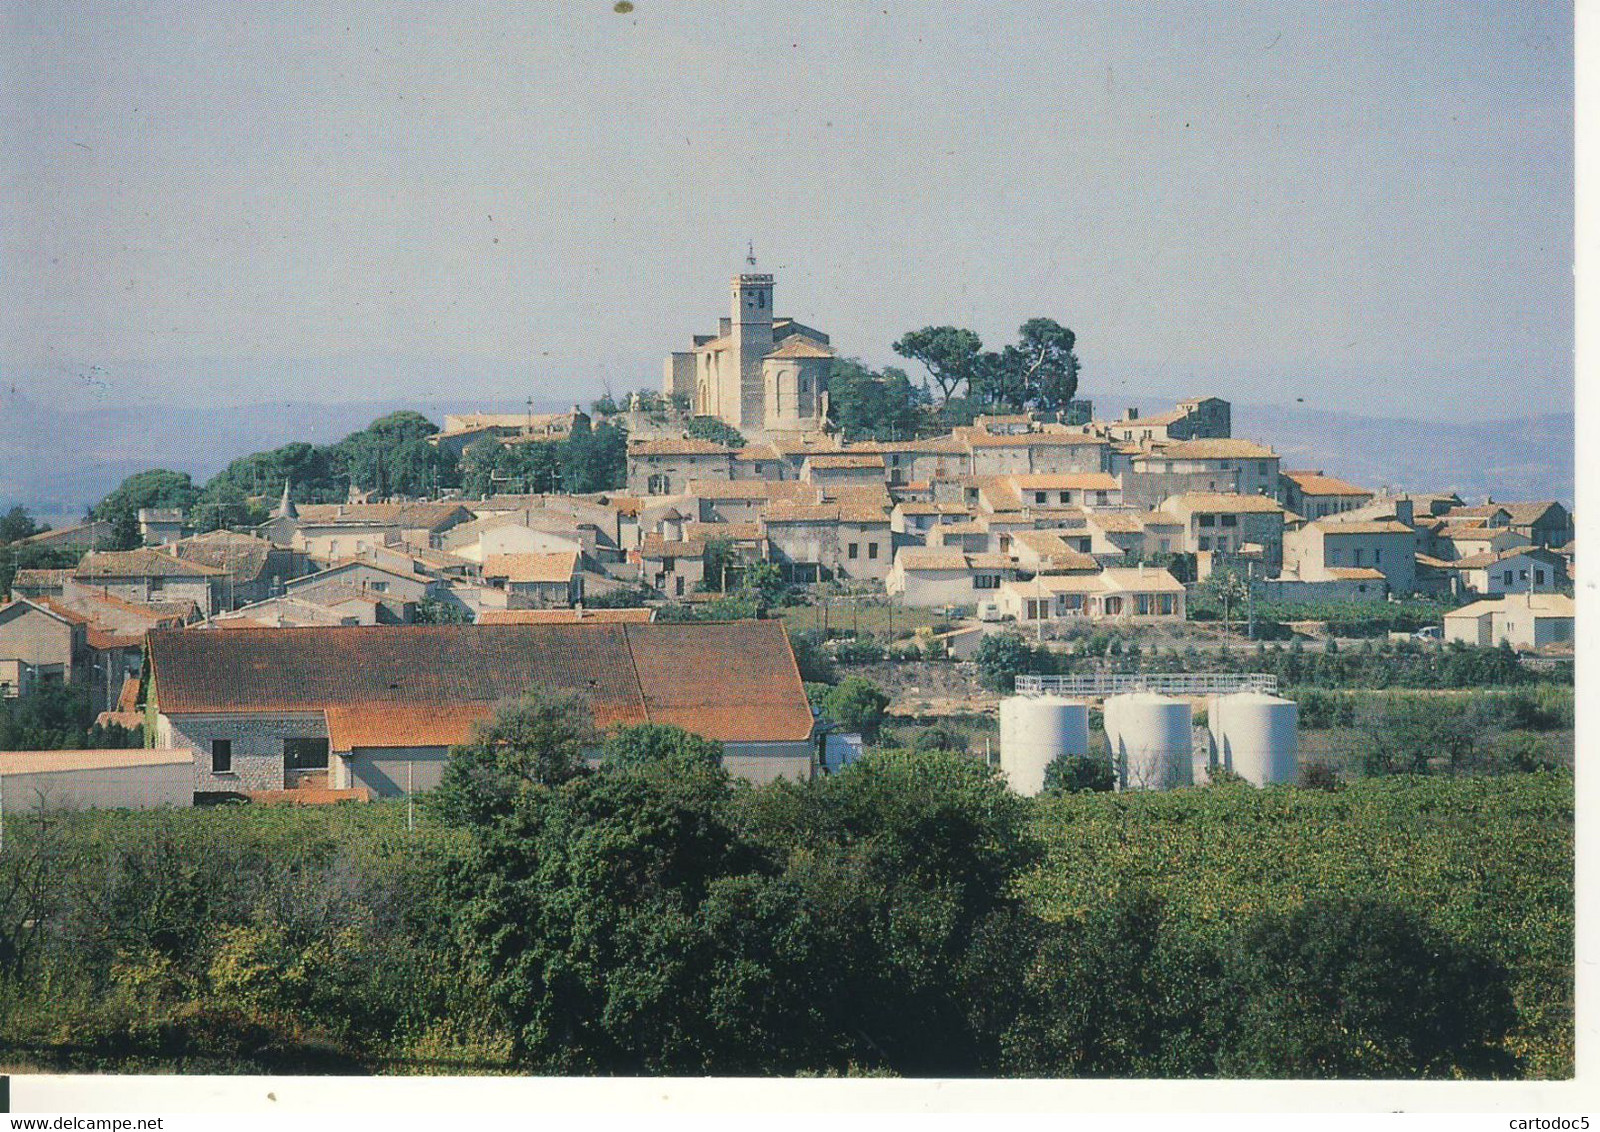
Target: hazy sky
x=1368 y=206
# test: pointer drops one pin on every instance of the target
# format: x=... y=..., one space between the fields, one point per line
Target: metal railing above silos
x=1162 y=683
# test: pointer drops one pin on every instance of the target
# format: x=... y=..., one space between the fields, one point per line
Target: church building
x=758 y=373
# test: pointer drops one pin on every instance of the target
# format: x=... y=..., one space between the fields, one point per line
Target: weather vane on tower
x=750 y=257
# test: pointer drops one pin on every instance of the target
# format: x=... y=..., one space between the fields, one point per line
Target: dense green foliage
x=1538 y=707
x=17 y=524
x=857 y=704
x=157 y=488
x=1004 y=656
x=868 y=405
x=56 y=717
x=1077 y=774
x=587 y=460
x=1039 y=372
x=1343 y=618
x=1486 y=862
x=391 y=456
x=715 y=430
x=907 y=915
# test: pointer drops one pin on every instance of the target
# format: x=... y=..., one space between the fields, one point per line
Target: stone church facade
x=759 y=373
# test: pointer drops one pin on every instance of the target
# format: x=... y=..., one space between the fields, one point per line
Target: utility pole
x=1250 y=597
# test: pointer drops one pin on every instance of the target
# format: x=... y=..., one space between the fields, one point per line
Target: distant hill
x=58 y=464
x=1517 y=459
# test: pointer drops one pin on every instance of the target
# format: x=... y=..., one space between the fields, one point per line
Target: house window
x=1357 y=558
x=1538 y=576
x=1230 y=520
x=1208 y=520
x=221 y=756
x=1142 y=605
x=157 y=585
x=677 y=585
x=305 y=754
x=1113 y=606
x=872 y=550
x=1377 y=555
x=986 y=581
x=1065 y=497
x=1508 y=578
x=855 y=549
x=1166 y=604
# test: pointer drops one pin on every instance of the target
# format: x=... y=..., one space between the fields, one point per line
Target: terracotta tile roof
x=556 y=566
x=242 y=556
x=681 y=446
x=930 y=558
x=343 y=565
x=1315 y=483
x=638 y=616
x=403 y=724
x=783 y=513
x=144 y=563
x=914 y=508
x=1222 y=502
x=845 y=460
x=657 y=546
x=1053 y=551
x=735 y=532
x=730 y=681
x=418 y=515
x=1220 y=448
x=1332 y=526
x=1031 y=440
x=33 y=579
x=1137 y=580
x=1119 y=522
x=857 y=494
x=1475 y=512
x=792 y=490
x=798 y=346
x=1355 y=573
x=1066 y=481
x=1523 y=514
x=758 y=452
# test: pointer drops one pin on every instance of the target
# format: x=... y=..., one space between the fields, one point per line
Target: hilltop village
x=791 y=718
x=736 y=496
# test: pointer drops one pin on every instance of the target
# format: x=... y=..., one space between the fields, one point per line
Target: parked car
x=989 y=611
x=1429 y=633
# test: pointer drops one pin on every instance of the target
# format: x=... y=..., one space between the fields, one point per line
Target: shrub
x=1078 y=774
x=1319 y=776
x=1358 y=987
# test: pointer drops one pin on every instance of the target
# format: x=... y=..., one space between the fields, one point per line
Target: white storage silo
x=1256 y=736
x=1036 y=730
x=1151 y=740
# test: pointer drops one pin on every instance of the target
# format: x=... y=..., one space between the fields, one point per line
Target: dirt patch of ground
x=928 y=688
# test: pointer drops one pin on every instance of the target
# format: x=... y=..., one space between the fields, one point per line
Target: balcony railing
x=1162 y=683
